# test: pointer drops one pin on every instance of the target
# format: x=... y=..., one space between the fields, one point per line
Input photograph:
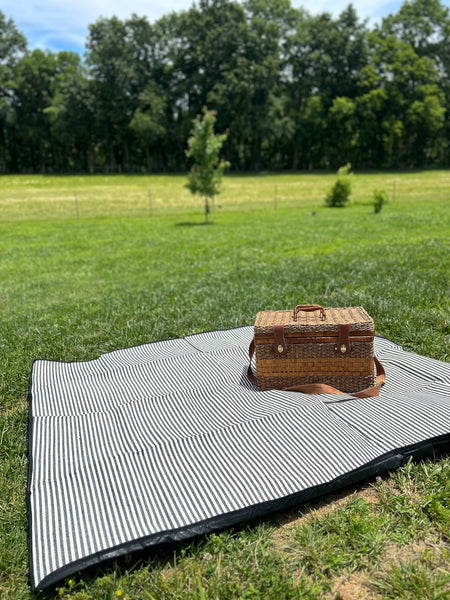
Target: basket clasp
x=279 y=341
x=343 y=344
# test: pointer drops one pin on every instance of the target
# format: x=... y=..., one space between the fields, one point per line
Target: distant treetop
x=293 y=90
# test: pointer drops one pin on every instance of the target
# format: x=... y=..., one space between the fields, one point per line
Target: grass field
x=72 y=289
x=46 y=197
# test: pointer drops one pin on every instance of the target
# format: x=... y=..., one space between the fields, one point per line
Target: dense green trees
x=12 y=46
x=293 y=91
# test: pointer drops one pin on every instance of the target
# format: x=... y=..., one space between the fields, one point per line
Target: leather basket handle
x=309 y=308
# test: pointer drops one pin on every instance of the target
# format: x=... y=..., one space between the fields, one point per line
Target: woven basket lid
x=356 y=316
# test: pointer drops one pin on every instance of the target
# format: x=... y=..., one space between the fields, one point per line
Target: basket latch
x=279 y=345
x=343 y=344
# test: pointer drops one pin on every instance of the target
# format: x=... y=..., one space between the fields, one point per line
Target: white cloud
x=366 y=9
x=49 y=23
x=58 y=24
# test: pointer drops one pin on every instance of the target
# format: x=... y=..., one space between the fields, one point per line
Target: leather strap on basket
x=250 y=374
x=323 y=388
x=308 y=308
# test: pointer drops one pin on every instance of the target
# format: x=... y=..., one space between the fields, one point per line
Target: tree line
x=292 y=90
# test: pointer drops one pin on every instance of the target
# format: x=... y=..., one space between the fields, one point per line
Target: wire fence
x=31 y=198
x=151 y=202
x=79 y=207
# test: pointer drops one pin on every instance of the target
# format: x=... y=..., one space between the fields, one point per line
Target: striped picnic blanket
x=168 y=440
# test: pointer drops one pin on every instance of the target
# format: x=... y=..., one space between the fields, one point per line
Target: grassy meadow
x=40 y=197
x=134 y=268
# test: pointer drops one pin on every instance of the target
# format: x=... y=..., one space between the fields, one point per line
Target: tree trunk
x=206 y=210
x=295 y=157
x=256 y=154
x=42 y=157
x=112 y=161
x=91 y=159
x=126 y=157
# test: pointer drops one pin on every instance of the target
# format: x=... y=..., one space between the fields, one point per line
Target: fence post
x=76 y=204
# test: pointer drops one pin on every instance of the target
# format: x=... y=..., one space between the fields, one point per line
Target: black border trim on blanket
x=30 y=473
x=390 y=460
x=30 y=425
x=386 y=462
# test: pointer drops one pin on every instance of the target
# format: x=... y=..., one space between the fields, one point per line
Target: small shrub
x=341 y=190
x=380 y=198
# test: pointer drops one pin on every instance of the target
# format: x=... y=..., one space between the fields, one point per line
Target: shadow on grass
x=191 y=224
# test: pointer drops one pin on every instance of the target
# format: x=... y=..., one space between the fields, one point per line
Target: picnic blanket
x=169 y=440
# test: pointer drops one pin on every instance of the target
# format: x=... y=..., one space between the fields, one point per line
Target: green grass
x=55 y=197
x=74 y=289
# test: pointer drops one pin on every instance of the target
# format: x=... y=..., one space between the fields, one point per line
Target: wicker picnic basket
x=316 y=350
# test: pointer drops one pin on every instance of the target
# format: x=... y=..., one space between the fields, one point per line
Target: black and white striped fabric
x=168 y=440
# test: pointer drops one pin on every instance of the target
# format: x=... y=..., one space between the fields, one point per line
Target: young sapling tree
x=205 y=176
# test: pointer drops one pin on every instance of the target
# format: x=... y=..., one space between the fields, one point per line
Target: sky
x=63 y=24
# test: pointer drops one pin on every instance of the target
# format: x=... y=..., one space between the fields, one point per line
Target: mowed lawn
x=43 y=197
x=138 y=265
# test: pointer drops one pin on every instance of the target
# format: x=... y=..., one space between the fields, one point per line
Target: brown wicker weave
x=311 y=344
